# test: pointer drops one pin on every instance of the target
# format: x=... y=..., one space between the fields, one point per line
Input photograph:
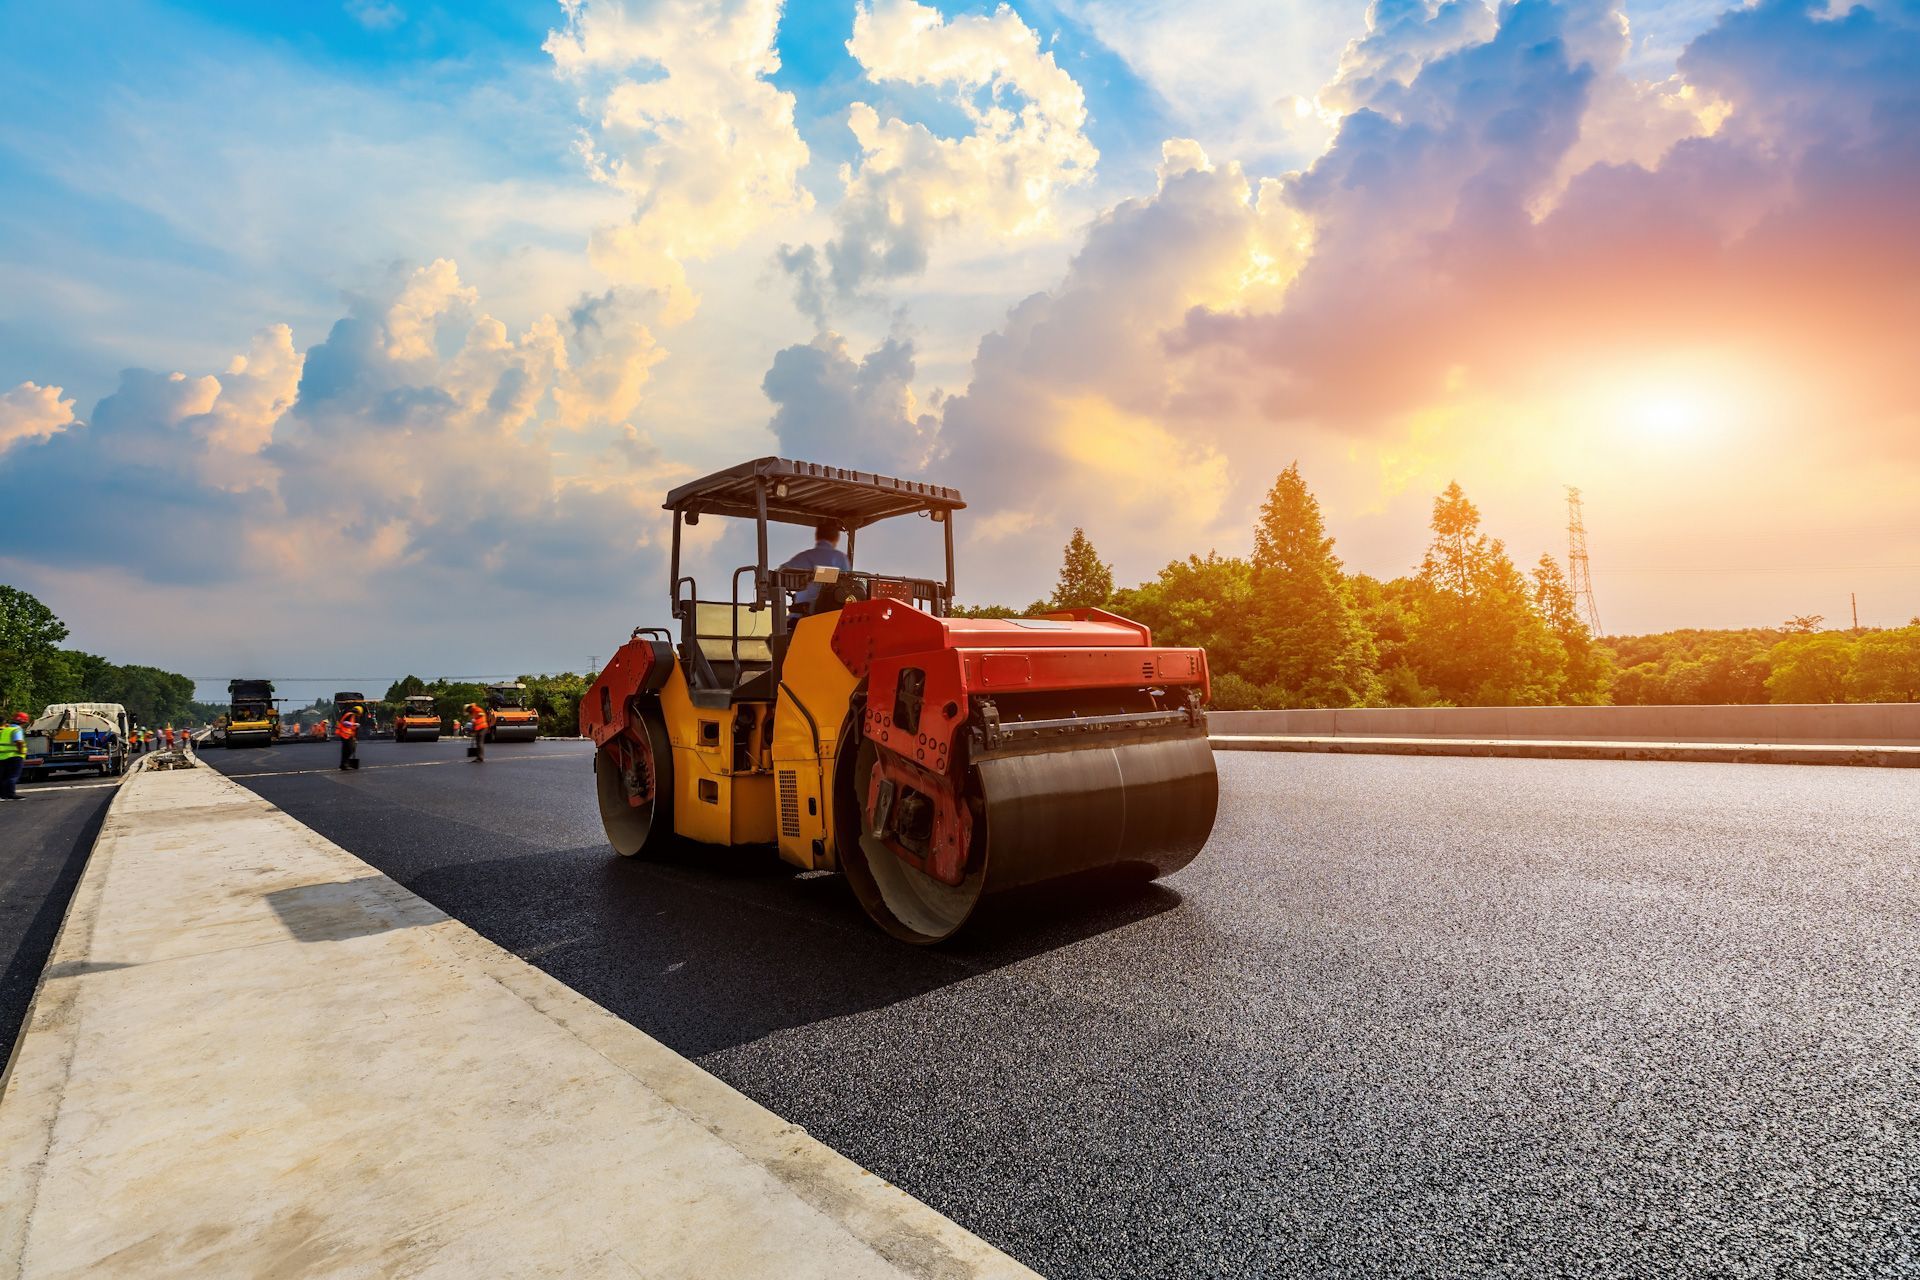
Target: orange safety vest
x=348 y=726
x=479 y=717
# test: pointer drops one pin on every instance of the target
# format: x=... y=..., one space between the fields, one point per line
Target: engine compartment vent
x=789 y=802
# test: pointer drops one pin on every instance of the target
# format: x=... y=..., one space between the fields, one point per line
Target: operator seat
x=714 y=680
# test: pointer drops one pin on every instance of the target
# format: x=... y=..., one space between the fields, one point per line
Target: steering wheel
x=842 y=593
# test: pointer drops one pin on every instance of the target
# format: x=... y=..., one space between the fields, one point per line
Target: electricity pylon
x=1579 y=571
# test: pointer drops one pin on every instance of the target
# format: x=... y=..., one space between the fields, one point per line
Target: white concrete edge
x=906 y=1232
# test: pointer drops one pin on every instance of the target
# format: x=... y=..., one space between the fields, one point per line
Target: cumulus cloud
x=32 y=412
x=862 y=414
x=683 y=118
x=606 y=361
x=1026 y=144
x=1780 y=231
x=1401 y=37
x=140 y=472
x=414 y=445
x=1504 y=204
x=1075 y=404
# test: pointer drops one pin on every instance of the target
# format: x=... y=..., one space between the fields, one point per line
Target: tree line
x=36 y=671
x=1288 y=626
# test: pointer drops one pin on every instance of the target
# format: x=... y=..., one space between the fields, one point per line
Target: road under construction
x=1406 y=1015
x=968 y=904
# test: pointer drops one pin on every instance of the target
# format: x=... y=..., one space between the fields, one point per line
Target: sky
x=345 y=340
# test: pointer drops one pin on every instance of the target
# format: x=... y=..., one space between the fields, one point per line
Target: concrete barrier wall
x=1876 y=723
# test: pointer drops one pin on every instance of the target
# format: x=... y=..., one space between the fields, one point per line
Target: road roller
x=510 y=718
x=846 y=718
x=418 y=720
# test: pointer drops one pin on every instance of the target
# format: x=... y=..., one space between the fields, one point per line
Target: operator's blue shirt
x=823 y=555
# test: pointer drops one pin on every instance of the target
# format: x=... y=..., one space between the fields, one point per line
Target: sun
x=1671 y=416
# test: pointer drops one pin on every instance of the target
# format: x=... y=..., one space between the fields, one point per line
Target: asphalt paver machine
x=253 y=714
x=933 y=760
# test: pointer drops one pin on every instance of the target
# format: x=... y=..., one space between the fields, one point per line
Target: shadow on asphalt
x=707 y=948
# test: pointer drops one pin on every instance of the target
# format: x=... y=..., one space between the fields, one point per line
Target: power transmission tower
x=1579 y=572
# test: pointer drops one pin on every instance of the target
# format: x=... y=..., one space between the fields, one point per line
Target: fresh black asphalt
x=45 y=837
x=1403 y=1016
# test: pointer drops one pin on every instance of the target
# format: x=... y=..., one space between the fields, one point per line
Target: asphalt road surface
x=1403 y=1016
x=45 y=837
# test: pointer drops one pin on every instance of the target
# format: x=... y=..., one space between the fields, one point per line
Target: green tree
x=1477 y=640
x=1886 y=666
x=1390 y=612
x=1691 y=667
x=1085 y=582
x=557 y=699
x=1586 y=668
x=1310 y=647
x=1811 y=668
x=1205 y=602
x=30 y=665
x=1232 y=693
x=403 y=688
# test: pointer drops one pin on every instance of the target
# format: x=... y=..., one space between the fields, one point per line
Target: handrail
x=734 y=617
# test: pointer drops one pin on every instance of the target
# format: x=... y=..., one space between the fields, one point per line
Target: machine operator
x=824 y=554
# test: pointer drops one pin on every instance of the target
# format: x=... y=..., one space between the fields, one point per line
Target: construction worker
x=824 y=554
x=479 y=749
x=13 y=754
x=348 y=731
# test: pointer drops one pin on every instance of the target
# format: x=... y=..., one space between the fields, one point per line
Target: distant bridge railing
x=1845 y=724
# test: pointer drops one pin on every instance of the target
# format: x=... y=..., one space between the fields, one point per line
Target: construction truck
x=932 y=760
x=418 y=721
x=509 y=717
x=72 y=736
x=253 y=715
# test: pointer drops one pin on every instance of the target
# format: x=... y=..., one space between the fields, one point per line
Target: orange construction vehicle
x=509 y=717
x=418 y=721
x=932 y=760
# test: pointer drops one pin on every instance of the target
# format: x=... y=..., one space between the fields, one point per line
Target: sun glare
x=1671 y=416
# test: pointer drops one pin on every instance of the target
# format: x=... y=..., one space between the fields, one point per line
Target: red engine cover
x=921 y=719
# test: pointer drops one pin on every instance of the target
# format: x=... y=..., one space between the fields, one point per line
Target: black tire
x=637 y=830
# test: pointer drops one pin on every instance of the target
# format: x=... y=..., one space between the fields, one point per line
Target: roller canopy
x=813 y=493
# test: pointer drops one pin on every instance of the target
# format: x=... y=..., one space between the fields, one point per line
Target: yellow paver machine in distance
x=253 y=715
x=933 y=760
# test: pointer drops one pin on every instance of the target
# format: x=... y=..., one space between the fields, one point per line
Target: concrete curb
x=250 y=1053
x=1562 y=749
